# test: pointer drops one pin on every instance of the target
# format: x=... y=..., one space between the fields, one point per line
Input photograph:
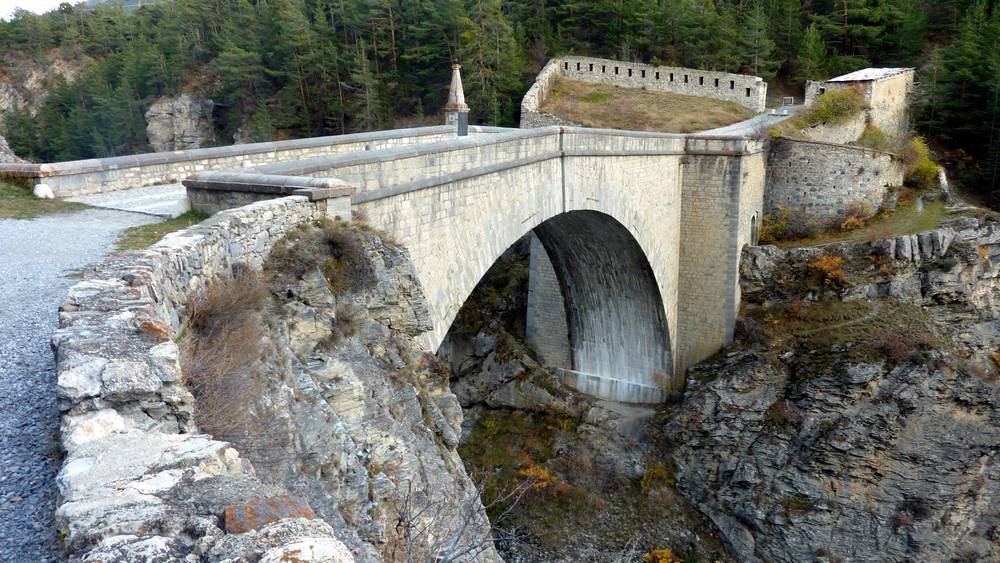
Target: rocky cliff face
x=291 y=418
x=857 y=417
x=371 y=424
x=179 y=123
x=25 y=80
x=6 y=153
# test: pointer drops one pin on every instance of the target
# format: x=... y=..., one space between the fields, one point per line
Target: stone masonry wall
x=127 y=426
x=748 y=91
x=890 y=103
x=545 y=327
x=80 y=177
x=819 y=180
x=722 y=195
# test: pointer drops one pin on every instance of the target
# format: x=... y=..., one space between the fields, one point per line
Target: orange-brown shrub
x=660 y=555
x=830 y=269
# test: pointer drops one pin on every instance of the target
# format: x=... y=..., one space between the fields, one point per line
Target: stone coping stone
x=235 y=181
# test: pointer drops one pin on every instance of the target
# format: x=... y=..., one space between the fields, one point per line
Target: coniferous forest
x=296 y=68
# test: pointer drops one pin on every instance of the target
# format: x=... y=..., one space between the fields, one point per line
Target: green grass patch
x=17 y=202
x=142 y=236
x=875 y=138
x=596 y=97
x=835 y=106
x=882 y=328
x=906 y=219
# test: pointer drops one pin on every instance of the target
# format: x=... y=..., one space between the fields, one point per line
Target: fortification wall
x=748 y=91
x=819 y=180
x=127 y=426
x=531 y=114
x=890 y=103
x=81 y=177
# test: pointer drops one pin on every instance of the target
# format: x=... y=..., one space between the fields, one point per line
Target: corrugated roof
x=869 y=74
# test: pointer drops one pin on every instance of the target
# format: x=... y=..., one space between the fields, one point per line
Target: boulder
x=43 y=191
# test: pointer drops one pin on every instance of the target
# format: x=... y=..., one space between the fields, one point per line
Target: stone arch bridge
x=638 y=235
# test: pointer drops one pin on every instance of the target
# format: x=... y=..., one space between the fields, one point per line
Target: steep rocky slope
x=857 y=417
x=339 y=403
x=565 y=477
x=291 y=417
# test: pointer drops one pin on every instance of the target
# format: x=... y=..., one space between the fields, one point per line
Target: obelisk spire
x=455 y=111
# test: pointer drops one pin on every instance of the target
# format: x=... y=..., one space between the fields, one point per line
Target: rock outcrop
x=7 y=154
x=335 y=439
x=858 y=415
x=179 y=123
x=25 y=79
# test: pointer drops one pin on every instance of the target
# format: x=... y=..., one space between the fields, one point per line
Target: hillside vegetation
x=602 y=105
x=296 y=68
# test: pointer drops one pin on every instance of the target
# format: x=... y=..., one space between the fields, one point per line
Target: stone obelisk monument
x=455 y=111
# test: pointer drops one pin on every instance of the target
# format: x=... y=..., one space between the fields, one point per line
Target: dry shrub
x=781 y=416
x=898 y=347
x=540 y=478
x=774 y=226
x=856 y=215
x=835 y=106
x=830 y=269
x=875 y=138
x=783 y=225
x=220 y=355
x=658 y=475
x=337 y=247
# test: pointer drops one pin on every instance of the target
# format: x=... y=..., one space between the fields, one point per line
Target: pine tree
x=757 y=48
x=811 y=60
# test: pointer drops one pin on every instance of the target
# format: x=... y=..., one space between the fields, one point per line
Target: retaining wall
x=748 y=91
x=818 y=180
x=127 y=425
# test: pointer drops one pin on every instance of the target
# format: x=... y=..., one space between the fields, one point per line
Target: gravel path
x=35 y=257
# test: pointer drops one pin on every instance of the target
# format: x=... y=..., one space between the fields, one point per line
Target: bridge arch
x=619 y=342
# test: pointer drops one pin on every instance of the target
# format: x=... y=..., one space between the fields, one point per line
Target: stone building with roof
x=886 y=92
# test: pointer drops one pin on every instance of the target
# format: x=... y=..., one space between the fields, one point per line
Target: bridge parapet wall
x=99 y=175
